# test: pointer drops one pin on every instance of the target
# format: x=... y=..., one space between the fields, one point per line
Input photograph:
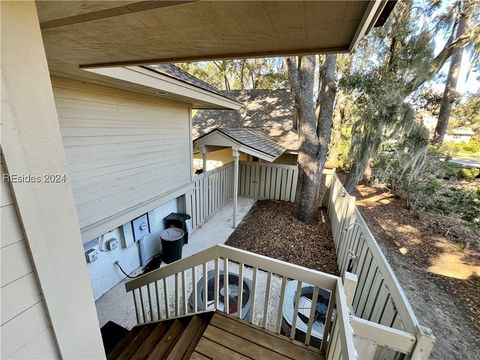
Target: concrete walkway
x=116 y=305
x=467 y=162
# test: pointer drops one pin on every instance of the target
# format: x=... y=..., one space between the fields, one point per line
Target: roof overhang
x=148 y=81
x=217 y=139
x=80 y=34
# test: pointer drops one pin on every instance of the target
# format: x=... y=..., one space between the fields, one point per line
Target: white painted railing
x=212 y=190
x=172 y=292
x=379 y=304
x=261 y=180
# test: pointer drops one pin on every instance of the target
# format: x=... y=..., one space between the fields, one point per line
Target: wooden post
x=424 y=345
x=236 y=156
x=350 y=285
x=257 y=179
x=204 y=156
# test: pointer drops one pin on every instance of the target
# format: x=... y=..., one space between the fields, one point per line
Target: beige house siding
x=216 y=159
x=25 y=328
x=124 y=151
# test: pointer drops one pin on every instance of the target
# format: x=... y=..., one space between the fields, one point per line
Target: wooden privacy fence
x=378 y=302
x=268 y=181
x=211 y=191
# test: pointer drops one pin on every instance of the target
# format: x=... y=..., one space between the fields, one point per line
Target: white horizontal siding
x=123 y=151
x=25 y=329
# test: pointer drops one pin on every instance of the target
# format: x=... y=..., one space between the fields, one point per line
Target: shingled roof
x=176 y=73
x=271 y=110
x=252 y=141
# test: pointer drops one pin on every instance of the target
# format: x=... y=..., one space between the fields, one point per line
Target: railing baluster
x=158 y=300
x=254 y=285
x=328 y=320
x=176 y=295
x=205 y=286
x=280 y=305
x=312 y=315
x=165 y=298
x=267 y=297
x=225 y=285
x=194 y=288
x=136 y=307
x=240 y=293
x=295 y=310
x=184 y=290
x=150 y=302
x=217 y=282
x=143 y=306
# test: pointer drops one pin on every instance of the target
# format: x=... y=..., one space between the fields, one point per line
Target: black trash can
x=179 y=220
x=172 y=243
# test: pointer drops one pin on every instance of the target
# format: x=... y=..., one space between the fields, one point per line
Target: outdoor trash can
x=172 y=242
x=181 y=221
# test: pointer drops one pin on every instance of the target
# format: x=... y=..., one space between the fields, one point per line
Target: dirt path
x=437 y=262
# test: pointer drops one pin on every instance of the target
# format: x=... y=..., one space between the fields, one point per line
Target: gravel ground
x=270 y=229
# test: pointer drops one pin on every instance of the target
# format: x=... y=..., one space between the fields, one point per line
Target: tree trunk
x=313 y=132
x=450 y=87
x=327 y=92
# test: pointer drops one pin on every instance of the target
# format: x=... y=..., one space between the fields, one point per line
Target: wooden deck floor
x=227 y=337
x=211 y=335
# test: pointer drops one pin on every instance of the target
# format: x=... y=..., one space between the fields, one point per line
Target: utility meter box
x=111 y=244
x=91 y=255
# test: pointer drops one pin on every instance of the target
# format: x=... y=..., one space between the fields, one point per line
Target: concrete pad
x=117 y=305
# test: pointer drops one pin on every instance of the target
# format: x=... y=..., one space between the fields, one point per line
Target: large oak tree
x=315 y=123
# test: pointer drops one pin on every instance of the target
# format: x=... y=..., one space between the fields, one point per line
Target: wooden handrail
x=142 y=293
x=278 y=267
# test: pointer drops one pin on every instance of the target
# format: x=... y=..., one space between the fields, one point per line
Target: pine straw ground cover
x=270 y=229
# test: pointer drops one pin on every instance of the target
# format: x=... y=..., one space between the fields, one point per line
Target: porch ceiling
x=85 y=33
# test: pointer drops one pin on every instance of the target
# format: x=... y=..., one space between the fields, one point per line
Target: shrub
x=468 y=174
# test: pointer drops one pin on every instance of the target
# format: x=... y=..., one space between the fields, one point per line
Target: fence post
x=328 y=184
x=236 y=156
x=424 y=345
x=350 y=285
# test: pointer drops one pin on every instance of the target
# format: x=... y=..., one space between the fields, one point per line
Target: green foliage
x=440 y=187
x=468 y=174
x=467 y=114
x=451 y=149
x=237 y=74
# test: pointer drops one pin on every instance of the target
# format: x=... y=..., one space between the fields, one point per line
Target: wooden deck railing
x=212 y=190
x=379 y=303
x=153 y=302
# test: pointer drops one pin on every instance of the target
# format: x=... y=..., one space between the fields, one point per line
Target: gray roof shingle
x=271 y=110
x=176 y=73
x=256 y=139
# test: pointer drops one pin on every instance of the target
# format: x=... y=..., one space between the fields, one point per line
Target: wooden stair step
x=280 y=344
x=167 y=342
x=240 y=345
x=186 y=342
x=150 y=342
x=118 y=349
x=213 y=350
x=136 y=342
x=198 y=356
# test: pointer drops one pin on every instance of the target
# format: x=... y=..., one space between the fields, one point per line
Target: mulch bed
x=270 y=229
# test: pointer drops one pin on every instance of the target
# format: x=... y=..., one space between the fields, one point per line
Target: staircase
x=211 y=335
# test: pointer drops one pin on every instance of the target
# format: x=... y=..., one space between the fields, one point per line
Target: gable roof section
x=169 y=82
x=254 y=142
x=271 y=110
x=176 y=73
